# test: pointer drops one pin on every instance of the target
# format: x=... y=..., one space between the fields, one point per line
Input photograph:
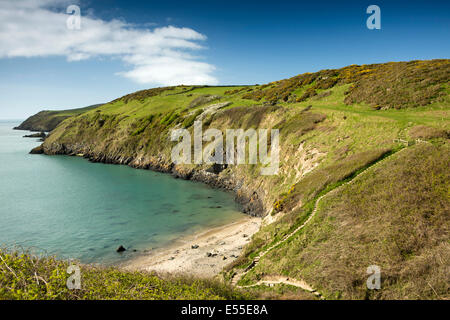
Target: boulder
x=120 y=249
x=37 y=150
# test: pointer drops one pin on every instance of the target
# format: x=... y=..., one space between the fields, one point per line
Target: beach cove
x=74 y=209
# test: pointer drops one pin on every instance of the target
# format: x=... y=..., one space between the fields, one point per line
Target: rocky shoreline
x=249 y=201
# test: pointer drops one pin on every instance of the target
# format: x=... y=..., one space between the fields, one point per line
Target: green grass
x=395 y=218
x=167 y=102
x=24 y=276
x=306 y=192
x=383 y=86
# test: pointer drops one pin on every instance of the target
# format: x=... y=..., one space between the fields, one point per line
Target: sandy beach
x=201 y=255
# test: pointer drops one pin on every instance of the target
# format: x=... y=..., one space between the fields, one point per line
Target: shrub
x=389 y=85
x=310 y=92
x=143 y=94
x=27 y=277
x=138 y=131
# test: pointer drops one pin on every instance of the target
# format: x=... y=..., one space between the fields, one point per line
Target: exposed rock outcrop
x=250 y=201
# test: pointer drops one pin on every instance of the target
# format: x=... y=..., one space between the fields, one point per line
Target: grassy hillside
x=363 y=173
x=396 y=217
x=49 y=120
x=25 y=276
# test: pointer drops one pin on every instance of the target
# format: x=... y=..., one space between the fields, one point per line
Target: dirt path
x=299 y=283
x=271 y=281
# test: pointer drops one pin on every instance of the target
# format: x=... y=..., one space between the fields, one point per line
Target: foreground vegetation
x=334 y=124
x=395 y=217
x=25 y=276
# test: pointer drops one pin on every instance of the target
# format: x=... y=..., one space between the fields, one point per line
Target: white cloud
x=162 y=56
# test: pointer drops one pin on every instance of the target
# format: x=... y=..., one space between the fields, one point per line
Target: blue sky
x=213 y=42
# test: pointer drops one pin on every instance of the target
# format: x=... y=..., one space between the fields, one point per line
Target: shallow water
x=72 y=208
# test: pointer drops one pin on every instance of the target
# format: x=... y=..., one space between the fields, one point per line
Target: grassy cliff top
x=48 y=120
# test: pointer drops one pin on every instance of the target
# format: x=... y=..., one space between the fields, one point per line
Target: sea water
x=74 y=209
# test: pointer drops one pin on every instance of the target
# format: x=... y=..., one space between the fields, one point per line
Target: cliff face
x=107 y=139
x=330 y=129
x=249 y=200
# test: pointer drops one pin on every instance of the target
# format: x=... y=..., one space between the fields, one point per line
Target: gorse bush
x=169 y=118
x=143 y=94
x=401 y=85
x=310 y=92
x=384 y=86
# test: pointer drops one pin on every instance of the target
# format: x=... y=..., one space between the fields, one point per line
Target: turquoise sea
x=72 y=208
